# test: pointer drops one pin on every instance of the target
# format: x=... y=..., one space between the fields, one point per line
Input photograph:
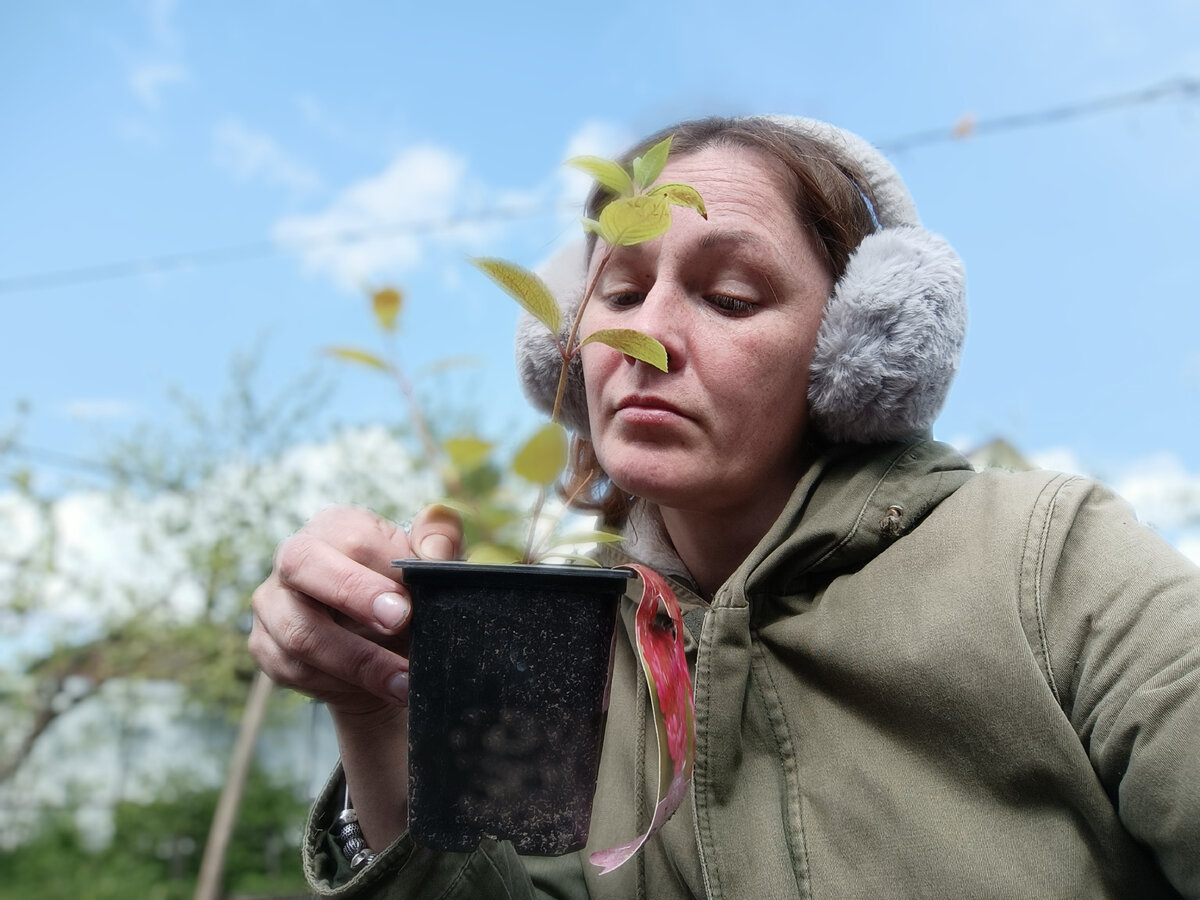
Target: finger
x=311 y=567
x=305 y=649
x=361 y=535
x=437 y=533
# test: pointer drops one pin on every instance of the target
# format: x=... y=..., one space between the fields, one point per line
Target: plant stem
x=568 y=351
x=571 y=348
x=421 y=425
x=528 y=556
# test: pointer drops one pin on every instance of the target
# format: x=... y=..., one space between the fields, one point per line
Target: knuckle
x=347 y=591
x=260 y=601
x=300 y=638
x=363 y=667
x=291 y=556
x=356 y=542
x=284 y=670
x=294 y=674
x=361 y=534
x=257 y=643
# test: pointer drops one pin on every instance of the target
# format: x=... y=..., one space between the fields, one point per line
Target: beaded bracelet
x=347 y=834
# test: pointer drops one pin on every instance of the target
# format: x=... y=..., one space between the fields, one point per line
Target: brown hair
x=831 y=198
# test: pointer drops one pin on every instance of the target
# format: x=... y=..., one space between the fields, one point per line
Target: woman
x=910 y=680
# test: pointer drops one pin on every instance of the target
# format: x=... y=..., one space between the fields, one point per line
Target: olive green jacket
x=923 y=682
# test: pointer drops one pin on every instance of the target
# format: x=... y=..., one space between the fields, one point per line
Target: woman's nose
x=662 y=316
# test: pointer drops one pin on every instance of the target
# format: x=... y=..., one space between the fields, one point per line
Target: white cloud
x=1189 y=546
x=1163 y=491
x=162 y=26
x=158 y=67
x=150 y=79
x=321 y=120
x=386 y=223
x=426 y=198
x=250 y=154
x=1060 y=459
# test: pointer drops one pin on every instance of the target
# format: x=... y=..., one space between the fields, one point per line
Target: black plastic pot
x=508 y=679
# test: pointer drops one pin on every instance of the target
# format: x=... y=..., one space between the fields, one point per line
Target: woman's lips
x=642 y=410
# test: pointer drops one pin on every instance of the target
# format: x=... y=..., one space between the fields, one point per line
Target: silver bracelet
x=347 y=833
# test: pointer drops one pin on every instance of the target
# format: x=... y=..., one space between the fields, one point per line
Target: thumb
x=437 y=533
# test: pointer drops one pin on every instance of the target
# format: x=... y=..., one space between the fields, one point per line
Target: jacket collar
x=851 y=503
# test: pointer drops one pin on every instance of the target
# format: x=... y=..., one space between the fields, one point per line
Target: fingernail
x=391 y=610
x=437 y=546
x=398 y=686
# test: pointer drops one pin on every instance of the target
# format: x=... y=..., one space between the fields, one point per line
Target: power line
x=966 y=127
x=1180 y=88
x=196 y=259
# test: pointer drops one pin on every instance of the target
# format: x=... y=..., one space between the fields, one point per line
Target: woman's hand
x=332 y=623
x=332 y=619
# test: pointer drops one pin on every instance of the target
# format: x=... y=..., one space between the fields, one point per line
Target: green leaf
x=605 y=171
x=468 y=452
x=386 y=303
x=649 y=166
x=631 y=343
x=585 y=537
x=591 y=225
x=464 y=510
x=634 y=220
x=526 y=288
x=544 y=455
x=494 y=554
x=573 y=559
x=362 y=357
x=681 y=195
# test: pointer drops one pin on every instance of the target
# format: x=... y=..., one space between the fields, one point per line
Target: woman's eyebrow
x=718 y=238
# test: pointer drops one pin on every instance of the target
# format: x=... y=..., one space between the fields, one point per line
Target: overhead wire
x=966 y=127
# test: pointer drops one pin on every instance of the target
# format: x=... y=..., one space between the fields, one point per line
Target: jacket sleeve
x=407 y=871
x=1122 y=615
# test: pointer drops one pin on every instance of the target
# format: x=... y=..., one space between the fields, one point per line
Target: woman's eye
x=731 y=305
x=624 y=299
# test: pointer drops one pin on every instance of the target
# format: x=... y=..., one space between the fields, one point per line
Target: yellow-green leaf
x=386 y=303
x=650 y=165
x=585 y=537
x=605 y=171
x=494 y=554
x=362 y=357
x=631 y=343
x=573 y=559
x=526 y=288
x=464 y=510
x=543 y=456
x=591 y=225
x=681 y=195
x=633 y=220
x=468 y=452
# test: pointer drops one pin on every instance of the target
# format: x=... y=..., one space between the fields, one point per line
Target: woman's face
x=736 y=300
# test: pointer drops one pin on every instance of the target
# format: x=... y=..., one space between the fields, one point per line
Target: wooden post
x=212 y=867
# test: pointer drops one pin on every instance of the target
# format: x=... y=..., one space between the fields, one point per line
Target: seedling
x=639 y=212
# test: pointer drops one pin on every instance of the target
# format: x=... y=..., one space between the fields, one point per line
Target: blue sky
x=138 y=131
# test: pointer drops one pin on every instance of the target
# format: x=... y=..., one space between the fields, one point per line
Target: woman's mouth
x=644 y=409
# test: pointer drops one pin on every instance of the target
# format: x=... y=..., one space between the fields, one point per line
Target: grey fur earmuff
x=889 y=343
